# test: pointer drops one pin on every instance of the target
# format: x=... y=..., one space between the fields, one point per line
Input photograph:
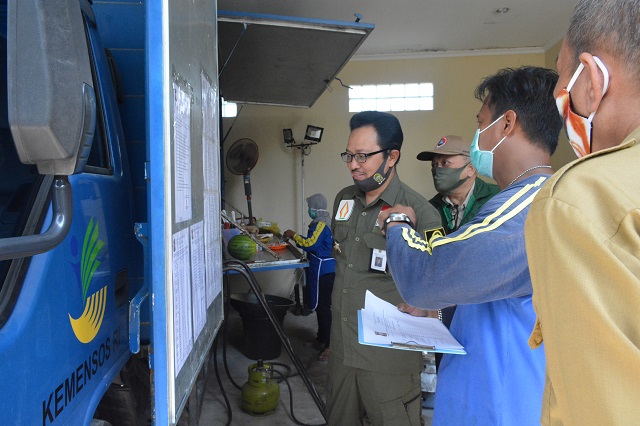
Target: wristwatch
x=396 y=217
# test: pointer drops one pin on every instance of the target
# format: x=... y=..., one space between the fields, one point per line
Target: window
x=391 y=97
x=229 y=109
x=99 y=161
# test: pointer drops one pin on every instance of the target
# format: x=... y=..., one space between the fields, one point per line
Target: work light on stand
x=312 y=136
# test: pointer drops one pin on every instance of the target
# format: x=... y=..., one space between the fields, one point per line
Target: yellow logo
x=86 y=327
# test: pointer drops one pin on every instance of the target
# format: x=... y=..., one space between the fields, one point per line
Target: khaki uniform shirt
x=583 y=245
x=357 y=237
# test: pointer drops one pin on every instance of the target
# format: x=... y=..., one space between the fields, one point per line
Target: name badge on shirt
x=379 y=260
x=345 y=209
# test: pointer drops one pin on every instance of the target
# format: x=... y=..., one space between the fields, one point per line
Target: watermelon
x=241 y=247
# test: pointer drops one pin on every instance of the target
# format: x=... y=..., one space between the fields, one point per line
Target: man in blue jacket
x=482 y=267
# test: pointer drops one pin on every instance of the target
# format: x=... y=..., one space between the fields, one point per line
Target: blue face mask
x=483 y=160
x=312 y=213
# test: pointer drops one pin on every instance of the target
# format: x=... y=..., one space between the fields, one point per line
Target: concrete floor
x=300 y=330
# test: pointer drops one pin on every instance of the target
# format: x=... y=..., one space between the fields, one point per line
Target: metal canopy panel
x=278 y=60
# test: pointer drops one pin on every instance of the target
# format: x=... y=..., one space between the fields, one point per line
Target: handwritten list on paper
x=199 y=303
x=211 y=185
x=182 y=154
x=182 y=326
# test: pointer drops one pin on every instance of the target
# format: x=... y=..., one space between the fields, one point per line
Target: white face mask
x=483 y=160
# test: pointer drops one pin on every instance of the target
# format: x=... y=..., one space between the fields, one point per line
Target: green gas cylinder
x=261 y=393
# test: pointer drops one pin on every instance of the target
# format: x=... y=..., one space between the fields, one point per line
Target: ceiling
x=422 y=28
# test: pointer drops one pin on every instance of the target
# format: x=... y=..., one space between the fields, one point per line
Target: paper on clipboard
x=381 y=324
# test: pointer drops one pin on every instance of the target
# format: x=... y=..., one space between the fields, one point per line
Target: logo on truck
x=86 y=326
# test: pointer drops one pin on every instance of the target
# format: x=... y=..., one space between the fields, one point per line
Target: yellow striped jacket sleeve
x=309 y=242
x=483 y=261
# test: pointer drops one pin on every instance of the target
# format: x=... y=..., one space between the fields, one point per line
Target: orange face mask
x=578 y=128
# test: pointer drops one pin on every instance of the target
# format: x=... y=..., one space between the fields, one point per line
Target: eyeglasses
x=360 y=158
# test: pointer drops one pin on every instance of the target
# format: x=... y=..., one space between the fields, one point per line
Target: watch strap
x=396 y=217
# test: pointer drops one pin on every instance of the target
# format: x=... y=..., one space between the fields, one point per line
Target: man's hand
x=398 y=208
x=416 y=312
x=288 y=233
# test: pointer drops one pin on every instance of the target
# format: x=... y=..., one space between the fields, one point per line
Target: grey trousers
x=385 y=399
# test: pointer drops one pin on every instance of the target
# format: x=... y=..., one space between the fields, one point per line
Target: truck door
x=183 y=196
x=64 y=313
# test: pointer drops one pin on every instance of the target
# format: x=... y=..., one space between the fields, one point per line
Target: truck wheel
x=127 y=401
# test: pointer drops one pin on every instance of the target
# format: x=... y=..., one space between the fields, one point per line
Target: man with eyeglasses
x=379 y=383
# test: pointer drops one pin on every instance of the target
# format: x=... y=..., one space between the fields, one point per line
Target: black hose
x=307 y=366
x=224 y=337
x=280 y=364
x=224 y=356
x=293 y=417
x=243 y=269
x=224 y=394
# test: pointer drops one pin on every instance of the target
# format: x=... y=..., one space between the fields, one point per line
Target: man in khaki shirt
x=383 y=384
x=583 y=228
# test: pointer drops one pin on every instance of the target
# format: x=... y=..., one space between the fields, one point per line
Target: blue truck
x=110 y=196
x=75 y=203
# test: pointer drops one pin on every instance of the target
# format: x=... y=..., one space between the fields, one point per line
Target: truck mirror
x=52 y=103
x=51 y=106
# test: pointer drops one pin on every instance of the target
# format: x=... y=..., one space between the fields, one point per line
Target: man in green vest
x=461 y=192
